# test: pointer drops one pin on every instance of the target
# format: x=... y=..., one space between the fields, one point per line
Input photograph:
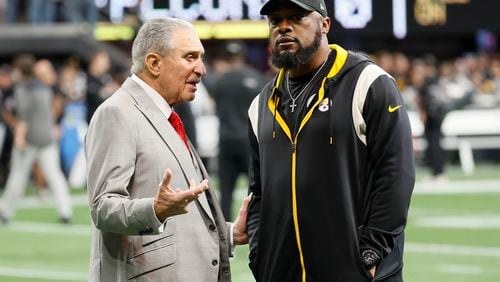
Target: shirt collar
x=159 y=101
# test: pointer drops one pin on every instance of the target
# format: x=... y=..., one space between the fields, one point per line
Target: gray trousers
x=20 y=171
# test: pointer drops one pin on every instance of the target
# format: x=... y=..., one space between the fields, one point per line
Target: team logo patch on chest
x=324 y=105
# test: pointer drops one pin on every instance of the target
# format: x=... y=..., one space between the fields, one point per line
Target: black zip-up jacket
x=341 y=185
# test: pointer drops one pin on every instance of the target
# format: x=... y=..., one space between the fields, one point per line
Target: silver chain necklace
x=293 y=105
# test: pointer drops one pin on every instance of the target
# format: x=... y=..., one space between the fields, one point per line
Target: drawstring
x=274 y=115
x=328 y=85
x=275 y=100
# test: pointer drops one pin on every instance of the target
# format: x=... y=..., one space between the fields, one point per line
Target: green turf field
x=453 y=235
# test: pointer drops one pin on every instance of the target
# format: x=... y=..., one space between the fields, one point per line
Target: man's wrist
x=370 y=258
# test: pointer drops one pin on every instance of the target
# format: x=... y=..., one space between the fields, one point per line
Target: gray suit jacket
x=128 y=146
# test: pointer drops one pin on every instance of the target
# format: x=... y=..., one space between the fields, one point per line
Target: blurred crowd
x=48 y=11
x=73 y=92
x=476 y=72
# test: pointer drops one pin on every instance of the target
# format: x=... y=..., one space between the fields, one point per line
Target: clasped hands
x=169 y=202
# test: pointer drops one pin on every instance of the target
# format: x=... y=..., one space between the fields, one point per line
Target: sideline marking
x=42 y=274
x=459 y=222
x=446 y=249
x=48 y=228
x=458 y=187
x=460 y=269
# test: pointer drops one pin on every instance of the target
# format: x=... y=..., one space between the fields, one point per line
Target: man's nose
x=200 y=69
x=284 y=26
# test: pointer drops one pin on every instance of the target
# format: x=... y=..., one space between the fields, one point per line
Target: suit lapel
x=168 y=134
x=160 y=124
x=210 y=194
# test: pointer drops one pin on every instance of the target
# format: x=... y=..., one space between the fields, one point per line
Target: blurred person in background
x=417 y=76
x=154 y=216
x=73 y=86
x=494 y=70
x=45 y=72
x=332 y=168
x=100 y=84
x=7 y=120
x=34 y=140
x=385 y=60
x=401 y=70
x=72 y=80
x=432 y=106
x=233 y=91
x=438 y=95
x=5 y=91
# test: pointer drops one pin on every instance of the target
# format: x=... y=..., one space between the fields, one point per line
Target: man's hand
x=169 y=202
x=372 y=271
x=20 y=132
x=240 y=235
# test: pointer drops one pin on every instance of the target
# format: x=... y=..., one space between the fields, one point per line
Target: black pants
x=234 y=158
x=435 y=154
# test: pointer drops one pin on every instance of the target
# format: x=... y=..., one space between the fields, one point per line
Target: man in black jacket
x=332 y=168
x=233 y=91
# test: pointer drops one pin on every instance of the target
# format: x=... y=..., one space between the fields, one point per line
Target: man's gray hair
x=155 y=36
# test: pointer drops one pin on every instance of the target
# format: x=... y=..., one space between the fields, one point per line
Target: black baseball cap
x=309 y=5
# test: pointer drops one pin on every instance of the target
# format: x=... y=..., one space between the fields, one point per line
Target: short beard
x=291 y=60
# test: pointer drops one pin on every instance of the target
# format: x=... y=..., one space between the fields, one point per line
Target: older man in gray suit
x=152 y=222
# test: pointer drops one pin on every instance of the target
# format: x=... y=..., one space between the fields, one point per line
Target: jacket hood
x=353 y=59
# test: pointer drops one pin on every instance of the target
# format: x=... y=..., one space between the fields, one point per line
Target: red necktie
x=176 y=122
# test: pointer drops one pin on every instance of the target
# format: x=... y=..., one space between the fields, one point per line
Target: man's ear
x=153 y=62
x=325 y=25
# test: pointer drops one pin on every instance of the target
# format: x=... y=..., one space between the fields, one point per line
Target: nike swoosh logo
x=393 y=109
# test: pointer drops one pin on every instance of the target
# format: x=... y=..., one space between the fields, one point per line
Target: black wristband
x=370 y=258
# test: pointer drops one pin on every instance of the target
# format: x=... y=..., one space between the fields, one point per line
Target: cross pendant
x=293 y=105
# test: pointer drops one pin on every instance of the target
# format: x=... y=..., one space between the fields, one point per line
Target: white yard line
x=48 y=228
x=461 y=269
x=52 y=275
x=459 y=222
x=458 y=187
x=445 y=249
x=450 y=212
x=34 y=202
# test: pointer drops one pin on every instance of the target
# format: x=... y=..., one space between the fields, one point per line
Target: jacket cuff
x=231 y=240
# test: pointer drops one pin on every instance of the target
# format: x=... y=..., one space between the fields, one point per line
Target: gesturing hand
x=170 y=202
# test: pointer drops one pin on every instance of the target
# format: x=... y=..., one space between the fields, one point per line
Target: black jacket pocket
x=393 y=262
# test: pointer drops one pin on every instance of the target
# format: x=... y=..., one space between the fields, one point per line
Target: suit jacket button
x=215 y=262
x=211 y=227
